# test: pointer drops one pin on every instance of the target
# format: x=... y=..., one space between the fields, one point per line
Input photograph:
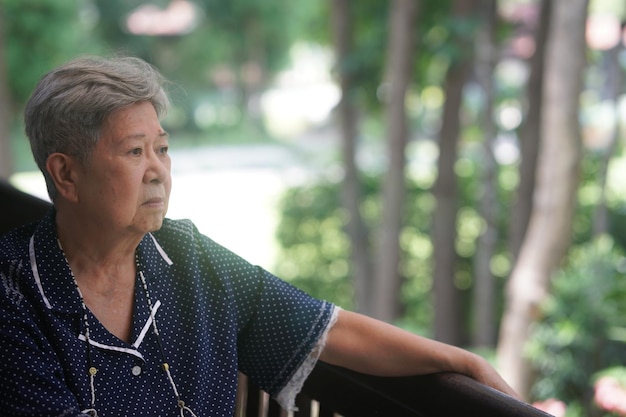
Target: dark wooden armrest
x=331 y=390
x=439 y=395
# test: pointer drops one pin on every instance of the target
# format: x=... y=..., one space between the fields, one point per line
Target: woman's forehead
x=134 y=122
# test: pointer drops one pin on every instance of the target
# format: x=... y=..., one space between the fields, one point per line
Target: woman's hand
x=482 y=371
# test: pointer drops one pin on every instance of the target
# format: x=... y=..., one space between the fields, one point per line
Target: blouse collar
x=52 y=274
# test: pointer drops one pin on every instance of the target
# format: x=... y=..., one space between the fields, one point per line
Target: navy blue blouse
x=216 y=314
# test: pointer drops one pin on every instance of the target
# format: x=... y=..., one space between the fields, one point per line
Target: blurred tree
x=354 y=65
x=436 y=33
x=230 y=53
x=610 y=93
x=366 y=59
x=359 y=33
x=548 y=236
x=359 y=37
x=402 y=40
x=342 y=18
x=448 y=325
x=484 y=305
x=111 y=26
x=36 y=36
x=529 y=134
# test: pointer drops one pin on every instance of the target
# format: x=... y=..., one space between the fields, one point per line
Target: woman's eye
x=136 y=151
x=163 y=150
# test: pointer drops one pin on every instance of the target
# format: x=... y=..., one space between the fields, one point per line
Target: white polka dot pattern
x=216 y=314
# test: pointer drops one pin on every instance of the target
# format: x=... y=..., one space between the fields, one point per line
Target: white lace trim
x=287 y=396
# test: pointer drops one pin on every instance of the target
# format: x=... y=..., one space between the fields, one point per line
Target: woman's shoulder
x=14 y=261
x=183 y=237
x=181 y=231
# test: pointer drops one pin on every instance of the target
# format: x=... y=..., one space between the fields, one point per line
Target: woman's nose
x=158 y=167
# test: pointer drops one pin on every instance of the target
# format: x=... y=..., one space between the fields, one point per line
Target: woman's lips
x=154 y=202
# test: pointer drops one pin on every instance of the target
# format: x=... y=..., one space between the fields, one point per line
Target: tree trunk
x=612 y=89
x=529 y=136
x=484 y=333
x=448 y=325
x=6 y=162
x=342 y=27
x=399 y=62
x=548 y=235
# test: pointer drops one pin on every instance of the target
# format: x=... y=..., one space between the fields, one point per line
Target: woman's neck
x=104 y=269
x=96 y=255
x=85 y=243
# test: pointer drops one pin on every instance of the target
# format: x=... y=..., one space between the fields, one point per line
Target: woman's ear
x=62 y=169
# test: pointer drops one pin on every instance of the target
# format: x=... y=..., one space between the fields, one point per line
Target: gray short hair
x=69 y=106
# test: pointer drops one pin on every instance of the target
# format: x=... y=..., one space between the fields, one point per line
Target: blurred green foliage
x=40 y=34
x=314 y=248
x=228 y=33
x=582 y=328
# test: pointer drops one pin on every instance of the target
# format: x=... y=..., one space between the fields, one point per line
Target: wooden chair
x=18 y=208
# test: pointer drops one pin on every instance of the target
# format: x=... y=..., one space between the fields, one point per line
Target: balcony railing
x=331 y=391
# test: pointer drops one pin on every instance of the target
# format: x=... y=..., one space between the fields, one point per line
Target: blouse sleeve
x=287 y=396
x=282 y=334
x=279 y=326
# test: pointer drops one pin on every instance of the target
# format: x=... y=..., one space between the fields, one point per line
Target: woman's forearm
x=370 y=346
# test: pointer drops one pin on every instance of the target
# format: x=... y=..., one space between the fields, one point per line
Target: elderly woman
x=108 y=308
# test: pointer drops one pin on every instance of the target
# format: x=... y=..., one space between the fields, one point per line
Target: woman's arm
x=370 y=346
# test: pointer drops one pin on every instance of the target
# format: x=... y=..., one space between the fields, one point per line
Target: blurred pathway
x=232 y=194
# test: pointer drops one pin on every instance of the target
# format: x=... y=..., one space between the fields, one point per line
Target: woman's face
x=125 y=185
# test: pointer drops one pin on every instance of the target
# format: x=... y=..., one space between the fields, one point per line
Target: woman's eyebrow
x=131 y=136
